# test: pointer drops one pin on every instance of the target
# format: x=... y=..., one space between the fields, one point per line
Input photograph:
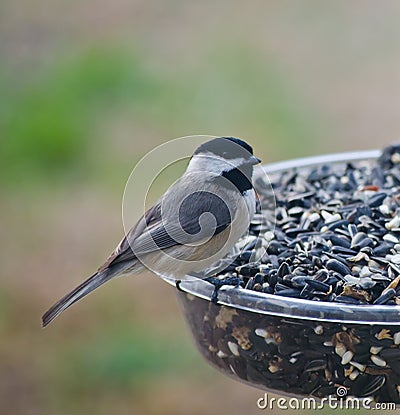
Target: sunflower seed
x=234 y=348
x=346 y=358
x=359 y=366
x=335 y=265
x=385 y=297
x=375 y=349
x=378 y=361
x=390 y=238
x=373 y=386
x=353 y=375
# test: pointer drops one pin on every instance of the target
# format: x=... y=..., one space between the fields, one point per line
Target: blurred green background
x=86 y=89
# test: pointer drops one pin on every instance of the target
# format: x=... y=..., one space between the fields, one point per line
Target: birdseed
x=335 y=238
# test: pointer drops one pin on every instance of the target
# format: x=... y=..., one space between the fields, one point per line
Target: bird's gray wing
x=153 y=233
x=188 y=227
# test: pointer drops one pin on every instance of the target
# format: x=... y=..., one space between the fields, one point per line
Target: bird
x=195 y=223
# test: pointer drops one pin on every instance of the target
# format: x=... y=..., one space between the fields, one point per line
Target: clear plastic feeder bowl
x=293 y=346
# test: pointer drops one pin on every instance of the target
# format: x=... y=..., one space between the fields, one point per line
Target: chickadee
x=194 y=224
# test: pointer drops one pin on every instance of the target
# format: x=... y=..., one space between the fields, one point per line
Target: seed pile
x=295 y=356
x=336 y=235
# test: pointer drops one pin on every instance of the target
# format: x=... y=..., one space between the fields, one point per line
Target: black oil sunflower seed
x=333 y=237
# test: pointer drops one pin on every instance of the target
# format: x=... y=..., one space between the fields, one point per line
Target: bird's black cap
x=227 y=147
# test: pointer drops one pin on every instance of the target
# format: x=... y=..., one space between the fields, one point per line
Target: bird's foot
x=218 y=283
x=178 y=285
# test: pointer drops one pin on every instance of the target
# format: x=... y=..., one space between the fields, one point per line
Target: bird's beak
x=253 y=160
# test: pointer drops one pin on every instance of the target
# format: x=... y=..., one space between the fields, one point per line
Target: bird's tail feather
x=87 y=286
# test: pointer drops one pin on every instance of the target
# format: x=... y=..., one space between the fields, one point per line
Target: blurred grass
x=123 y=360
x=47 y=127
x=51 y=127
x=116 y=362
